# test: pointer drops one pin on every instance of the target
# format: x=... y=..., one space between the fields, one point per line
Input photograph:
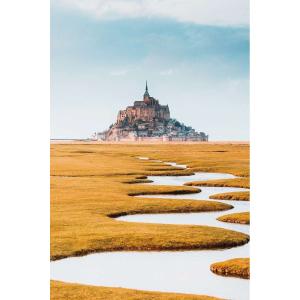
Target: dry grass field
x=235 y=182
x=238 y=267
x=242 y=218
x=60 y=290
x=239 y=196
x=92 y=183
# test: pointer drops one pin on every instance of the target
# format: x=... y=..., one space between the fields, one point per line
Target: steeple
x=146 y=94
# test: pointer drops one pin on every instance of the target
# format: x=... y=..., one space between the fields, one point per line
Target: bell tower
x=146 y=94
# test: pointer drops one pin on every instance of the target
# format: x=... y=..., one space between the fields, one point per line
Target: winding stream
x=166 y=271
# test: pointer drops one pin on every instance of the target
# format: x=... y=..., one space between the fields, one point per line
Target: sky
x=194 y=54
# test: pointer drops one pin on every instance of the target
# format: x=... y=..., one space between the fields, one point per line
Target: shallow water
x=177 y=271
x=180 y=180
x=201 y=218
x=182 y=272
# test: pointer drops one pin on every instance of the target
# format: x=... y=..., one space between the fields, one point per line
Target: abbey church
x=148 y=110
x=148 y=120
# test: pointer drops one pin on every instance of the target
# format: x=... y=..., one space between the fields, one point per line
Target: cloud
x=118 y=73
x=206 y=12
x=167 y=72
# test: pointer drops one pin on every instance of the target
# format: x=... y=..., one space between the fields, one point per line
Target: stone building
x=149 y=120
x=146 y=110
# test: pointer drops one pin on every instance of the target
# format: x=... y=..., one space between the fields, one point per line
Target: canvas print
x=150 y=179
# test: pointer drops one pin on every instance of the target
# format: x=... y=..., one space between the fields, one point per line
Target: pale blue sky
x=100 y=61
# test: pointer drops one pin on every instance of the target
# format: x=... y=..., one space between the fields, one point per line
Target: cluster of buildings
x=147 y=120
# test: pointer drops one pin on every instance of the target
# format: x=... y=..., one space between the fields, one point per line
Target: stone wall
x=146 y=113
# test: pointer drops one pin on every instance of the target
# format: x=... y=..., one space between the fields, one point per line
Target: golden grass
x=88 y=189
x=237 y=267
x=61 y=290
x=235 y=182
x=137 y=180
x=241 y=218
x=82 y=206
x=238 y=196
x=90 y=186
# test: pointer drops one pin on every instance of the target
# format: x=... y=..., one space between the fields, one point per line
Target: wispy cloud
x=207 y=12
x=118 y=73
x=167 y=72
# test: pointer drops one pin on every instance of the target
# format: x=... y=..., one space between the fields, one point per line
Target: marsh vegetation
x=93 y=184
x=241 y=218
x=238 y=196
x=238 y=267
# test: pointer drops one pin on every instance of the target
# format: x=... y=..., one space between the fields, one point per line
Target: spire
x=146 y=94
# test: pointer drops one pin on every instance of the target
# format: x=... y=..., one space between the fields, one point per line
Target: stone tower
x=146 y=95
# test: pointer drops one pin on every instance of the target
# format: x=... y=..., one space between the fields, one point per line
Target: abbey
x=148 y=120
x=148 y=110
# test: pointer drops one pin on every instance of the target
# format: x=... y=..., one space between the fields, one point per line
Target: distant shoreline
x=87 y=141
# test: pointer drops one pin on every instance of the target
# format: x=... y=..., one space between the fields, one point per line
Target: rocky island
x=148 y=120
